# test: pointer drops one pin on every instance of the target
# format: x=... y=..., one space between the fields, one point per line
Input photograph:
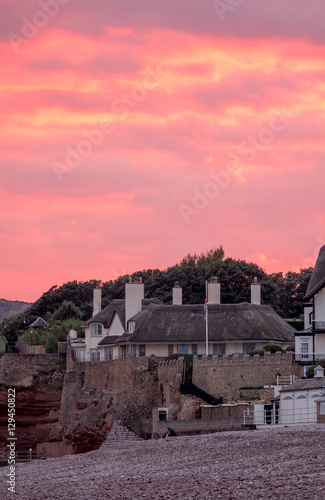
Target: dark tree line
x=284 y=292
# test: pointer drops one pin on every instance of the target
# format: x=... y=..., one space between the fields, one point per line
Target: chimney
x=134 y=293
x=213 y=291
x=177 y=294
x=256 y=293
x=97 y=301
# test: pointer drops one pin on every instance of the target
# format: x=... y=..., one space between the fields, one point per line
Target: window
x=182 y=348
x=142 y=350
x=94 y=355
x=249 y=347
x=170 y=349
x=133 y=351
x=96 y=330
x=219 y=349
x=194 y=349
x=322 y=409
x=304 y=349
x=108 y=353
x=162 y=414
x=131 y=326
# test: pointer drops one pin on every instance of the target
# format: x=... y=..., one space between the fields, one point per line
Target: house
x=298 y=401
x=310 y=342
x=143 y=327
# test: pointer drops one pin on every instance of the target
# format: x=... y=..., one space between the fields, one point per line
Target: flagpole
x=206 y=321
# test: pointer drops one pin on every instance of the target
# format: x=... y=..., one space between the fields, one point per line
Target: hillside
x=11 y=307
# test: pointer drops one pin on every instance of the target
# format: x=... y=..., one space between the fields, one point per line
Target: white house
x=298 y=402
x=310 y=342
x=143 y=327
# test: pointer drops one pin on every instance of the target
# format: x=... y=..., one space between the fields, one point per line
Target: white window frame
x=94 y=355
x=96 y=330
x=219 y=349
x=108 y=353
x=131 y=326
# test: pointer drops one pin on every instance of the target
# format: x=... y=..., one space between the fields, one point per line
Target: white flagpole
x=206 y=322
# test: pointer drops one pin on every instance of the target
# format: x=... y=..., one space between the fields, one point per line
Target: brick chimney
x=256 y=293
x=177 y=294
x=134 y=293
x=214 y=291
x=97 y=301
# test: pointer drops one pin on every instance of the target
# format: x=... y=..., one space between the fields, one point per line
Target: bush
x=272 y=348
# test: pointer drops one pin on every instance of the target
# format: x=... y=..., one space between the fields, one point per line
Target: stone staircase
x=119 y=433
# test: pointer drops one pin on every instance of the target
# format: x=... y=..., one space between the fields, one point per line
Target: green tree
x=67 y=310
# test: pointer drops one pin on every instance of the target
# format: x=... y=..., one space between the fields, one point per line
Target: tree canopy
x=284 y=292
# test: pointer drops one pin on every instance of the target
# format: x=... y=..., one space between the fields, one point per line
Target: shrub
x=272 y=348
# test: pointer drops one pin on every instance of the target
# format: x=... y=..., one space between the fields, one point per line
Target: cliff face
x=95 y=394
x=78 y=416
x=37 y=410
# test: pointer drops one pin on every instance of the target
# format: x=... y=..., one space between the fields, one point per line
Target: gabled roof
x=106 y=315
x=227 y=322
x=39 y=323
x=117 y=305
x=317 y=280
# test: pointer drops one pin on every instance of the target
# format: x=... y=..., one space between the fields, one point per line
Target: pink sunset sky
x=136 y=131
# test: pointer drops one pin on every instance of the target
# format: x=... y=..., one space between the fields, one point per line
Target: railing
x=87 y=358
x=197 y=391
x=318 y=324
x=268 y=416
x=310 y=357
x=285 y=379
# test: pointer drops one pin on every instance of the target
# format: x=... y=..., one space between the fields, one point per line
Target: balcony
x=308 y=358
x=318 y=325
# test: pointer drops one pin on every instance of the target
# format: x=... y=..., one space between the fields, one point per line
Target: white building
x=310 y=342
x=143 y=327
x=298 y=402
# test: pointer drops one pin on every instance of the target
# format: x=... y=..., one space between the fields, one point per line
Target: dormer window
x=96 y=330
x=131 y=326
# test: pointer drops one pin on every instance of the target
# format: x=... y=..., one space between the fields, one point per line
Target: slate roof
x=227 y=322
x=304 y=384
x=39 y=323
x=117 y=305
x=109 y=340
x=317 y=279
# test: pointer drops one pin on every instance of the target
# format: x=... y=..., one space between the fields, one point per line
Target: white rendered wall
x=320 y=343
x=92 y=342
x=298 y=342
x=213 y=293
x=177 y=295
x=256 y=293
x=97 y=301
x=116 y=327
x=320 y=305
x=307 y=311
x=134 y=293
